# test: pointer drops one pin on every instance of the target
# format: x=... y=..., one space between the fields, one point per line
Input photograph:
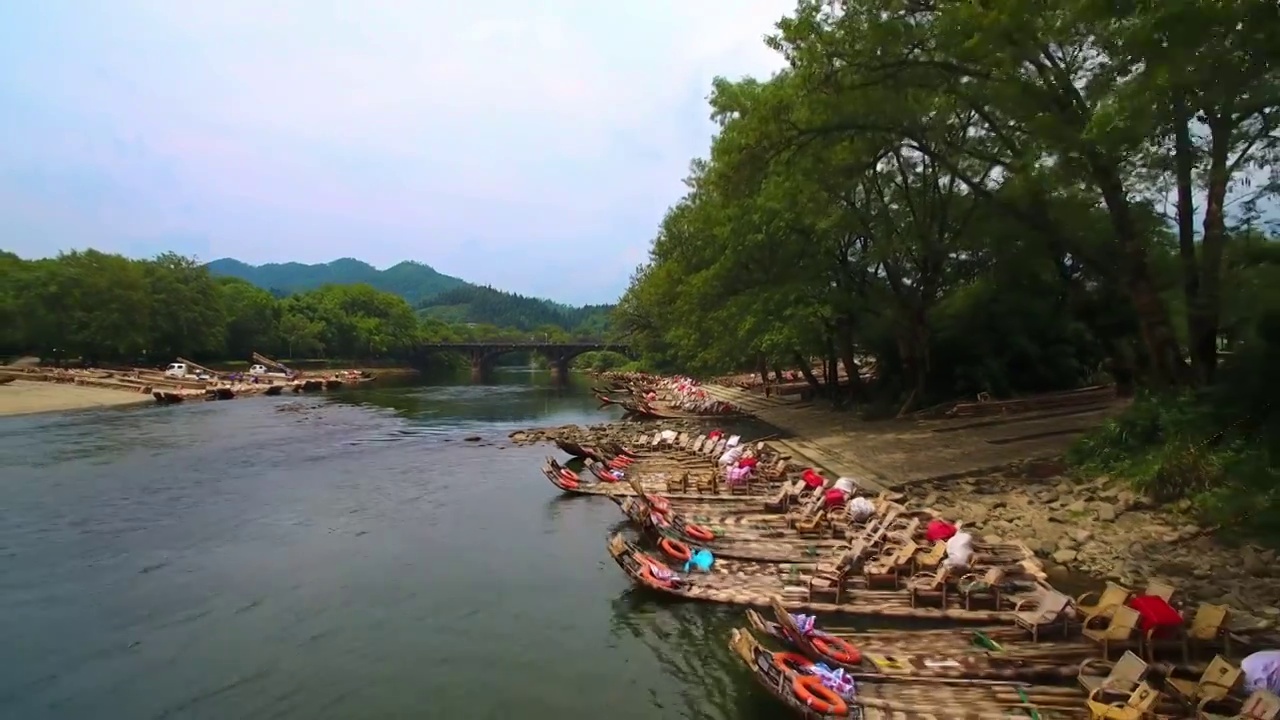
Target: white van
x=180 y=370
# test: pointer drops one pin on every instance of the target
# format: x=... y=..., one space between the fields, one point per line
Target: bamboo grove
x=984 y=196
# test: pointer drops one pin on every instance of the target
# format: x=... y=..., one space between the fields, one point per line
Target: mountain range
x=435 y=294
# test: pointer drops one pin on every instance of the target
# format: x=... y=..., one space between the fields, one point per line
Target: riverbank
x=23 y=397
x=1003 y=476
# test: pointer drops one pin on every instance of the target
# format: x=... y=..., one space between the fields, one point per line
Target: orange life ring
x=658 y=503
x=697 y=532
x=791 y=662
x=837 y=648
x=569 y=478
x=647 y=564
x=615 y=465
x=622 y=460
x=675 y=549
x=821 y=698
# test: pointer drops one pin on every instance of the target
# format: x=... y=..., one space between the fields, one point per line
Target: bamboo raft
x=745 y=584
x=989 y=653
x=912 y=697
x=576 y=484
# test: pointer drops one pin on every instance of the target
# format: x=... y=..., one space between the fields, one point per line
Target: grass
x=1198 y=452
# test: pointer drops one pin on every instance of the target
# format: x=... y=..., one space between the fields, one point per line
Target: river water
x=349 y=557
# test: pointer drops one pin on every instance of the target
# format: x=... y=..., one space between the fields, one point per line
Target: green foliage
x=970 y=194
x=601 y=361
x=475 y=304
x=1215 y=450
x=101 y=307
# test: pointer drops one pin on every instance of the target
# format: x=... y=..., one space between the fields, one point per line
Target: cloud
x=501 y=142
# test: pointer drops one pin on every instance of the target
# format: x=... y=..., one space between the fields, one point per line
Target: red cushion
x=1155 y=613
x=939 y=529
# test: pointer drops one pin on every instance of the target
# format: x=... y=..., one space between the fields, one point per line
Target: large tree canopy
x=974 y=194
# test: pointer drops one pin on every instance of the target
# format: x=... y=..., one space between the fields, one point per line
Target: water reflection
x=690 y=642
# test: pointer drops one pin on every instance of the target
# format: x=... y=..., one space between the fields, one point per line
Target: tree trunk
x=807 y=371
x=1168 y=367
x=1207 y=312
x=850 y=364
x=916 y=353
x=1184 y=163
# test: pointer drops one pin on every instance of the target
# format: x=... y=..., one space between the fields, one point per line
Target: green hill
x=475 y=304
x=413 y=281
x=439 y=296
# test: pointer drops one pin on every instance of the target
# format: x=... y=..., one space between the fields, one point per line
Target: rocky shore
x=1101 y=528
x=1094 y=530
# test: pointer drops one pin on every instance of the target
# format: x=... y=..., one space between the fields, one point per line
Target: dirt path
x=894 y=453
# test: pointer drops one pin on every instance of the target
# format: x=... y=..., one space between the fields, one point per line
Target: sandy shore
x=22 y=397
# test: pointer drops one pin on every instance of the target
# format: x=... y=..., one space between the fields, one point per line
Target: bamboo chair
x=829 y=581
x=1120 y=631
x=1261 y=705
x=929 y=584
x=1161 y=590
x=1048 y=608
x=1123 y=676
x=887 y=569
x=983 y=587
x=1140 y=704
x=929 y=561
x=903 y=531
x=1106 y=601
x=1208 y=629
x=1216 y=683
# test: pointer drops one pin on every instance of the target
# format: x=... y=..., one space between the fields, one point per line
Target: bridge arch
x=482 y=354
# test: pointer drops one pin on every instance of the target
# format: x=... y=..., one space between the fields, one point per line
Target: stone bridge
x=558 y=354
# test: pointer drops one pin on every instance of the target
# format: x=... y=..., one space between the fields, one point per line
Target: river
x=352 y=558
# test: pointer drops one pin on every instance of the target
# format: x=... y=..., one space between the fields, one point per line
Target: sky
x=530 y=146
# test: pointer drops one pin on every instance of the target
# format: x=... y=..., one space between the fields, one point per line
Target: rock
x=1046 y=497
x=1252 y=563
x=1081 y=536
x=975 y=515
x=1064 y=488
x=473 y=438
x=1066 y=543
x=1076 y=507
x=992 y=539
x=1106 y=513
x=1062 y=557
